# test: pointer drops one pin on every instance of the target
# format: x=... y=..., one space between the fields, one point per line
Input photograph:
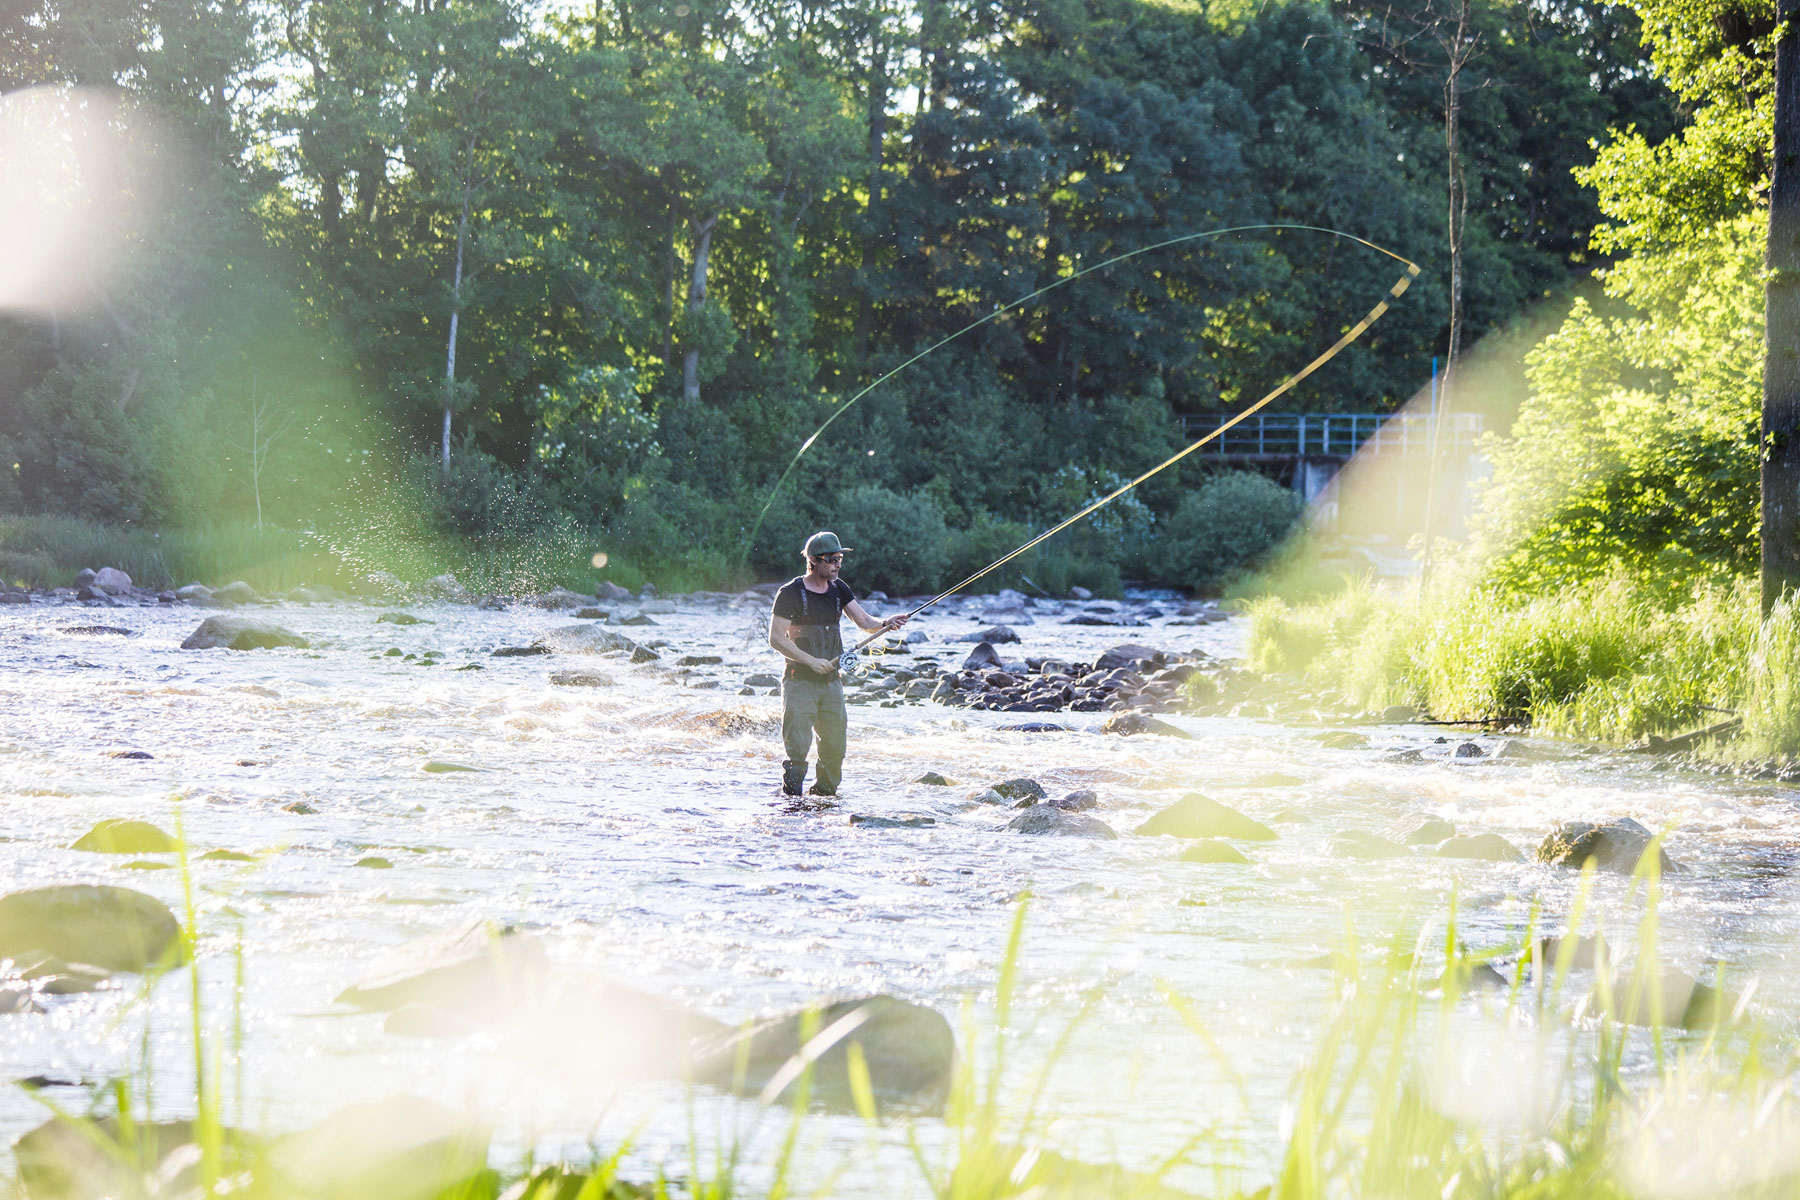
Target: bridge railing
x=1334 y=435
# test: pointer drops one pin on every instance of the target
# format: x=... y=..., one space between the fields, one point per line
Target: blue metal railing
x=1334 y=435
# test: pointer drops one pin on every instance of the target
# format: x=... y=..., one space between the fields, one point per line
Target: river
x=637 y=829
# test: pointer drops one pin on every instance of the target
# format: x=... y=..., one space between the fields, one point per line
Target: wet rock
x=227 y=856
x=111 y=927
x=909 y=822
x=1134 y=723
x=1358 y=843
x=95 y=631
x=474 y=969
x=112 y=581
x=116 y=836
x=399 y=1148
x=401 y=618
x=241 y=633
x=1616 y=845
x=1410 y=755
x=608 y=590
x=909 y=1051
x=439 y=767
x=234 y=593
x=18 y=1000
x=636 y=618
x=1211 y=850
x=1273 y=779
x=299 y=808
x=983 y=658
x=1020 y=789
x=1199 y=816
x=987 y=796
x=1078 y=801
x=74 y=1158
x=1469 y=750
x=85 y=577
x=133 y=755
x=1080 y=593
x=520 y=651
x=9 y=596
x=1343 y=739
x=1290 y=816
x=699 y=660
x=1048 y=820
x=194 y=593
x=1486 y=847
x=1668 y=998
x=643 y=654
x=1419 y=829
x=559 y=599
x=1130 y=655
x=1522 y=750
x=581 y=679
x=1398 y=714
x=1035 y=727
x=762 y=681
x=443 y=587
x=584 y=639
x=932 y=779
x=592 y=614
x=374 y=862
x=995 y=634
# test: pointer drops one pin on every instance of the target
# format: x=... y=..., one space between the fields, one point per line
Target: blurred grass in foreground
x=1611 y=660
x=1433 y=1077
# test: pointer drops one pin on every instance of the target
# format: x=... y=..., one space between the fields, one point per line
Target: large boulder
x=234 y=593
x=112 y=581
x=241 y=633
x=1048 y=820
x=1616 y=845
x=116 y=836
x=1198 y=816
x=558 y=599
x=583 y=639
x=909 y=1050
x=474 y=969
x=983 y=658
x=608 y=590
x=400 y=1148
x=995 y=634
x=111 y=927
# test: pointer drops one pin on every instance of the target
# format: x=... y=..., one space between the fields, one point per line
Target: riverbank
x=627 y=818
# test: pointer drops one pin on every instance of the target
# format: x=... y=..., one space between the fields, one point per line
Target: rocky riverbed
x=368 y=782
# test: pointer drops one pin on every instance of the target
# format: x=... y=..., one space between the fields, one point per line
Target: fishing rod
x=850 y=659
x=1001 y=311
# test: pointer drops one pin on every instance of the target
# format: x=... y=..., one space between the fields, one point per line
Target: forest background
x=460 y=281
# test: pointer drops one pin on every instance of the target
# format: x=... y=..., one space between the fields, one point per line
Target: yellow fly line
x=848 y=662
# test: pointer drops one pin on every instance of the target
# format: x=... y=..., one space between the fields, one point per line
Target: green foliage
x=1232 y=522
x=900 y=541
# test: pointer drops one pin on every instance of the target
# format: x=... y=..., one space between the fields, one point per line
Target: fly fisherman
x=804 y=629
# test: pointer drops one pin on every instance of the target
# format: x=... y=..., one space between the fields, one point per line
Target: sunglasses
x=828 y=558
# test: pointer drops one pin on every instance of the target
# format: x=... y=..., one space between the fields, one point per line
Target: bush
x=30 y=568
x=901 y=542
x=1235 y=519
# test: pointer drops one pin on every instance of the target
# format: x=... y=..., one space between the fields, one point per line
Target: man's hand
x=824 y=666
x=893 y=623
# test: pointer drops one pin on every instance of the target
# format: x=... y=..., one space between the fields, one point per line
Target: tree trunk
x=462 y=237
x=1456 y=58
x=690 y=359
x=877 y=116
x=1781 y=328
x=672 y=266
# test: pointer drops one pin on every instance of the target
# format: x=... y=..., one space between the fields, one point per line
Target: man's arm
x=781 y=636
x=865 y=621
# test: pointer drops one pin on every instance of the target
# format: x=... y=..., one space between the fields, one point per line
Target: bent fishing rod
x=850 y=659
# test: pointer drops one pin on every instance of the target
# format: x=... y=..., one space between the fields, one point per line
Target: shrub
x=1235 y=519
x=901 y=542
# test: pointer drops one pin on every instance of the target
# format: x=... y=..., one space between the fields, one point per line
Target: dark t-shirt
x=815 y=617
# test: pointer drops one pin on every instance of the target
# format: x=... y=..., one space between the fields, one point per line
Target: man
x=804 y=629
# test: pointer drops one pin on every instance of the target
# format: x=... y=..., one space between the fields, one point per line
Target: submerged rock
x=580 y=679
x=74 y=1158
x=401 y=618
x=473 y=969
x=1199 y=816
x=932 y=779
x=1486 y=847
x=234 y=593
x=1212 y=850
x=1133 y=723
x=111 y=927
x=1616 y=845
x=1048 y=820
x=116 y=836
x=1358 y=843
x=1420 y=829
x=583 y=639
x=1020 y=789
x=909 y=822
x=1078 y=801
x=241 y=633
x=1669 y=998
x=909 y=1050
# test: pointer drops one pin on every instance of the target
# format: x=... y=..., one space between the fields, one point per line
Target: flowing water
x=637 y=829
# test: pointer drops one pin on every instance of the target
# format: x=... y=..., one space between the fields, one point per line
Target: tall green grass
x=1612 y=660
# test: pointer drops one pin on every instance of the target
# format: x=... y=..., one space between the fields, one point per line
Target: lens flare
x=599 y=560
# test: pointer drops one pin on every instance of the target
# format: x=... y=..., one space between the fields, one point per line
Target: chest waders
x=813 y=703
